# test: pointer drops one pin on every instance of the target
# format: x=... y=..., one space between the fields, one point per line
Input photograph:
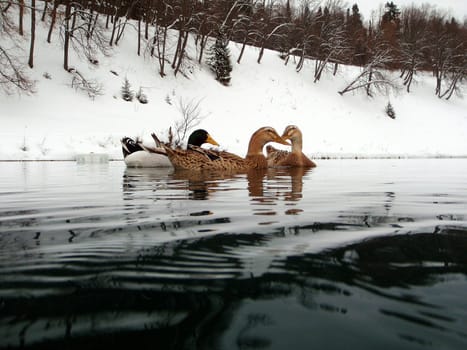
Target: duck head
x=261 y=137
x=199 y=137
x=292 y=133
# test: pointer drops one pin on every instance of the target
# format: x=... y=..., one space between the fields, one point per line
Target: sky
x=457 y=8
x=269 y=94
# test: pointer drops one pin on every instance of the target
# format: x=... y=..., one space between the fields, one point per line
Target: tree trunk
x=408 y=79
x=52 y=22
x=243 y=49
x=94 y=25
x=21 y=12
x=67 y=35
x=181 y=55
x=33 y=33
x=299 y=66
x=146 y=24
x=120 y=31
x=179 y=46
x=139 y=37
x=452 y=87
x=115 y=20
x=368 y=87
x=45 y=11
x=91 y=16
x=203 y=43
x=162 y=53
x=154 y=41
x=261 y=51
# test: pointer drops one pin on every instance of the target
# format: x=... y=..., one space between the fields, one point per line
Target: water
x=367 y=254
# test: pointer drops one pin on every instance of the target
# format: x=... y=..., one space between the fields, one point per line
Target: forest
x=407 y=40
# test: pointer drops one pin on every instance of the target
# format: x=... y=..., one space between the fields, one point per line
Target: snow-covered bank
x=57 y=122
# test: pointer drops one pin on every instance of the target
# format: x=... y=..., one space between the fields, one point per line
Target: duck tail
x=156 y=140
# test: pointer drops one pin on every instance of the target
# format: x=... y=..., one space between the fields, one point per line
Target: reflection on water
x=99 y=256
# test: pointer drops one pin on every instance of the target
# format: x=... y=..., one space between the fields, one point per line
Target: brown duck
x=295 y=158
x=225 y=161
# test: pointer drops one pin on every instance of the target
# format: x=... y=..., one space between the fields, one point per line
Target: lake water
x=355 y=254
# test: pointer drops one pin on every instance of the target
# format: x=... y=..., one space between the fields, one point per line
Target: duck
x=226 y=161
x=138 y=155
x=295 y=158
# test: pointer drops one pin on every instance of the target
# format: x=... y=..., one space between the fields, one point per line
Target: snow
x=59 y=123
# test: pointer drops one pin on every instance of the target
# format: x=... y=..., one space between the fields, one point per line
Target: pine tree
x=390 y=111
x=127 y=94
x=142 y=98
x=219 y=59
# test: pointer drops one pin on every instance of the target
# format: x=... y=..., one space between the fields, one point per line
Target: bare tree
x=184 y=10
x=268 y=23
x=53 y=19
x=33 y=33
x=44 y=11
x=205 y=22
x=456 y=66
x=243 y=26
x=304 y=34
x=129 y=14
x=163 y=16
x=12 y=75
x=440 y=54
x=191 y=116
x=20 y=19
x=332 y=44
x=373 y=76
x=84 y=33
x=90 y=86
x=414 y=43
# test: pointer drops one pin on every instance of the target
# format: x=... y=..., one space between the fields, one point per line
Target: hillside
x=57 y=122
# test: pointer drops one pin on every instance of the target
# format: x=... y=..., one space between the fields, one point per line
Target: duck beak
x=210 y=140
x=282 y=140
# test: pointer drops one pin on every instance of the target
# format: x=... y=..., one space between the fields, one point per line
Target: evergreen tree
x=392 y=12
x=390 y=111
x=219 y=59
x=127 y=94
x=141 y=97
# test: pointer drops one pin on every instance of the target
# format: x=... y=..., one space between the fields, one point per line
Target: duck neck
x=255 y=148
x=297 y=145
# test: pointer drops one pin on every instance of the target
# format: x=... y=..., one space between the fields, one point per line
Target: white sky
x=456 y=8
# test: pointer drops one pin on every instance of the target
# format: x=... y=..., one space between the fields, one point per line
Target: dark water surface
x=355 y=254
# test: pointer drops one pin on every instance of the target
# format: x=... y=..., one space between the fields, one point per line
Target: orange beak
x=211 y=141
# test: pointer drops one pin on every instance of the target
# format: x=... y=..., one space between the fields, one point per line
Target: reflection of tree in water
x=193 y=289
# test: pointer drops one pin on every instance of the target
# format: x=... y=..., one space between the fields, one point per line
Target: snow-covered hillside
x=58 y=122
